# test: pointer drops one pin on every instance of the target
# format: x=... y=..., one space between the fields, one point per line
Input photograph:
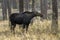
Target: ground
x=40 y=30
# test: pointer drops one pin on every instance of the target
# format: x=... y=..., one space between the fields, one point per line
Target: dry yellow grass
x=40 y=30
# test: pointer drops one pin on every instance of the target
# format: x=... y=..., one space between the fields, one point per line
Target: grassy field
x=40 y=30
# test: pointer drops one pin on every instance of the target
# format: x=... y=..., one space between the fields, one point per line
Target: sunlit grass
x=39 y=30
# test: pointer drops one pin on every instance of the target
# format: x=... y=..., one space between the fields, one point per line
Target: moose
x=23 y=19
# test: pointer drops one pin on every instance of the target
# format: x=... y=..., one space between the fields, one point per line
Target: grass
x=39 y=30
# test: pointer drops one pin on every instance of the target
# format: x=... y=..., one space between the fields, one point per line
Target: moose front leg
x=27 y=28
x=23 y=28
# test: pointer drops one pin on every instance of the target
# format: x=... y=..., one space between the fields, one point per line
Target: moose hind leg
x=13 y=28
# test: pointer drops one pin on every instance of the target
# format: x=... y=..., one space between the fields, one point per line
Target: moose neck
x=32 y=16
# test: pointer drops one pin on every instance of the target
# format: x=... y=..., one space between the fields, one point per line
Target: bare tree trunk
x=4 y=9
x=54 y=26
x=26 y=5
x=44 y=8
x=14 y=4
x=33 y=5
x=49 y=5
x=17 y=1
x=9 y=7
x=21 y=6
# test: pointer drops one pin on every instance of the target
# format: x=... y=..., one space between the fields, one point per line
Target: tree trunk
x=14 y=4
x=33 y=5
x=9 y=7
x=54 y=26
x=44 y=8
x=26 y=5
x=21 y=6
x=4 y=9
